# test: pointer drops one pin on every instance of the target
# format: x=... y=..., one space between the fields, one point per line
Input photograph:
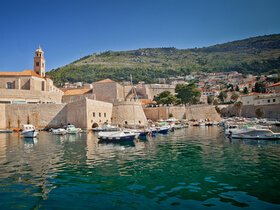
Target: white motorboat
x=255 y=133
x=108 y=127
x=59 y=131
x=71 y=129
x=116 y=136
x=29 y=131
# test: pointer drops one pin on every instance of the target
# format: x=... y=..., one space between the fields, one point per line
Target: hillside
x=258 y=55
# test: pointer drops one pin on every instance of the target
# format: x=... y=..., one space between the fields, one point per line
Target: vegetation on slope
x=258 y=55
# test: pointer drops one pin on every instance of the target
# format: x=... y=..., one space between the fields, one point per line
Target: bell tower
x=39 y=62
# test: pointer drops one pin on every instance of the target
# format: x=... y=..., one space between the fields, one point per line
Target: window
x=43 y=65
x=93 y=114
x=9 y=85
x=37 y=63
x=268 y=101
x=104 y=114
x=274 y=100
x=99 y=114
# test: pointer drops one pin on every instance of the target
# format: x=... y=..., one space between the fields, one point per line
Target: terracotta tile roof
x=276 y=84
x=24 y=73
x=147 y=102
x=75 y=91
x=106 y=81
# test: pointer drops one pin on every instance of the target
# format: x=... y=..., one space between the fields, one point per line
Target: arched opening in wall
x=125 y=122
x=94 y=125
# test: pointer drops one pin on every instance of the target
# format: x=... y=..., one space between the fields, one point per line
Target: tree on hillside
x=223 y=95
x=237 y=88
x=234 y=97
x=166 y=97
x=209 y=100
x=215 y=102
x=238 y=107
x=245 y=91
x=259 y=112
x=187 y=93
x=230 y=87
x=260 y=87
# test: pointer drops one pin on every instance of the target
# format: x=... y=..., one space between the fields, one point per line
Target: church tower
x=39 y=62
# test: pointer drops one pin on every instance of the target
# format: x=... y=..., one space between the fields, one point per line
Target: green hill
x=258 y=55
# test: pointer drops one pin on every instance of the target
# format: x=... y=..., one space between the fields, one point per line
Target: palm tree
x=259 y=112
x=234 y=97
x=238 y=107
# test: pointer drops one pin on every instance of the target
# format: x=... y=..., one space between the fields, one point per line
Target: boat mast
x=133 y=98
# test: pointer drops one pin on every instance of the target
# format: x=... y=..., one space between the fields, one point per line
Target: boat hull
x=115 y=136
x=29 y=134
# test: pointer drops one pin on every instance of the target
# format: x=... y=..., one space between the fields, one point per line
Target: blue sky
x=64 y=28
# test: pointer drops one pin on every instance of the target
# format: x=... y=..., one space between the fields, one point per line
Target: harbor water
x=191 y=168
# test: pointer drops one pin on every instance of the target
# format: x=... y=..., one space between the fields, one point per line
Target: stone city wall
x=72 y=98
x=30 y=95
x=198 y=112
x=181 y=112
x=76 y=114
x=2 y=116
x=39 y=115
x=270 y=111
x=163 y=112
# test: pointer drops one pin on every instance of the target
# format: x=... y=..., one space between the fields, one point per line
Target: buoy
x=137 y=140
x=150 y=134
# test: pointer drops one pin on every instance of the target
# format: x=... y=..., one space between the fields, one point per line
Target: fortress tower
x=39 y=62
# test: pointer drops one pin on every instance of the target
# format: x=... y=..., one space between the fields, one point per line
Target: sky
x=68 y=29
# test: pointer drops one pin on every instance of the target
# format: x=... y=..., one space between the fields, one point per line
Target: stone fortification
x=270 y=111
x=181 y=112
x=149 y=91
x=123 y=113
x=31 y=96
x=108 y=90
x=39 y=115
x=2 y=116
x=198 y=112
x=163 y=112
x=89 y=113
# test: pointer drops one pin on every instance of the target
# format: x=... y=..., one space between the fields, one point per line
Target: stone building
x=107 y=90
x=29 y=86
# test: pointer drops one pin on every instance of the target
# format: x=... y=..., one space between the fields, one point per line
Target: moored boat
x=59 y=131
x=265 y=134
x=71 y=129
x=115 y=136
x=29 y=131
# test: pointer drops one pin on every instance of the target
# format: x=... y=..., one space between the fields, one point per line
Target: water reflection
x=188 y=168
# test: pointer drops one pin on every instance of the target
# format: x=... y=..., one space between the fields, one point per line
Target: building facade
x=29 y=86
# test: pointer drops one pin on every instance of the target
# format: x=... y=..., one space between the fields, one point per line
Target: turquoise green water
x=193 y=168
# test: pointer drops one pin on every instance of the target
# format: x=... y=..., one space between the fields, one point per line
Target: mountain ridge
x=258 y=55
